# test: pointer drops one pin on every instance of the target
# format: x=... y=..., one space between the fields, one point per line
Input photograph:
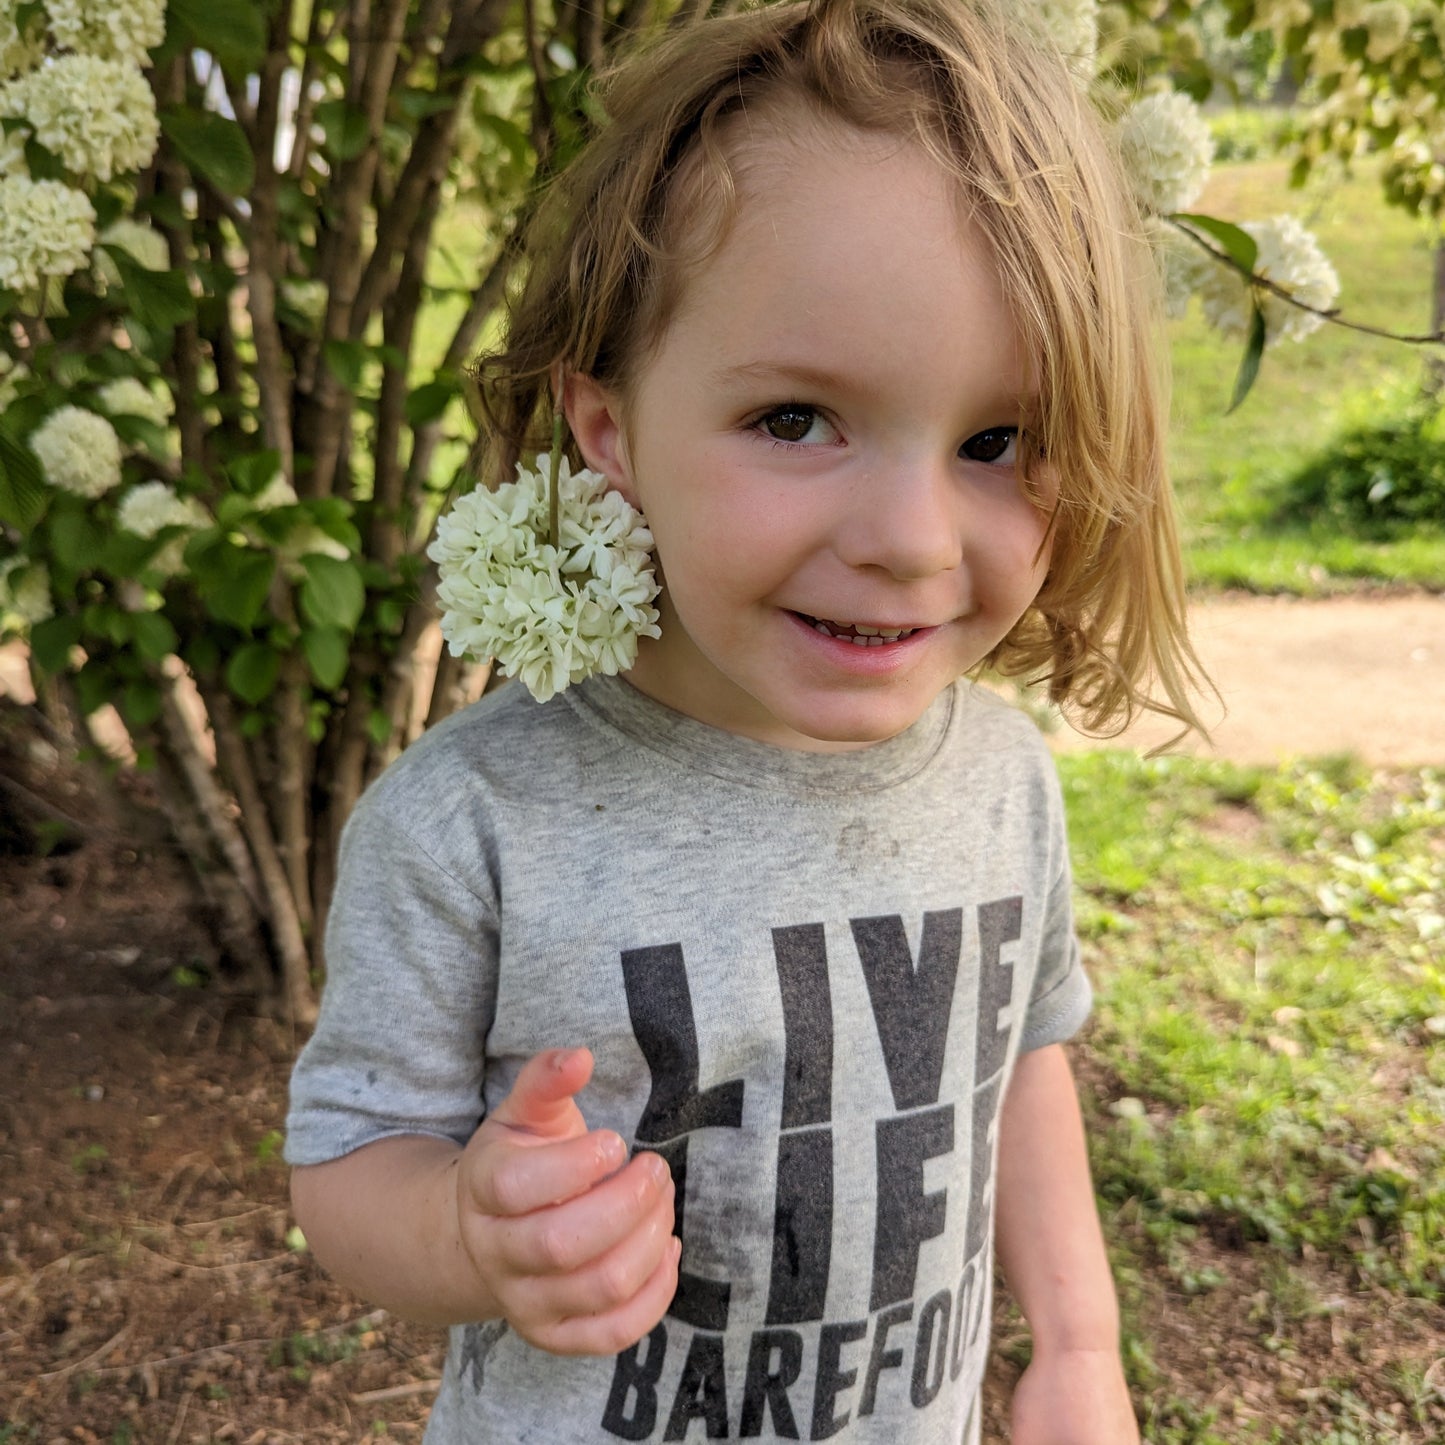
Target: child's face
x=822 y=443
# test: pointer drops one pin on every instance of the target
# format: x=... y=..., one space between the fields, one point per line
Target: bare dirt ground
x=149 y=1288
x=1363 y=674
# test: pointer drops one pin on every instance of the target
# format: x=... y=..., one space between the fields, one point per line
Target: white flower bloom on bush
x=1290 y=257
x=18 y=51
x=278 y=492
x=548 y=615
x=1166 y=147
x=107 y=29
x=79 y=452
x=1183 y=266
x=46 y=230
x=142 y=243
x=129 y=396
x=24 y=594
x=1073 y=25
x=149 y=509
x=1388 y=22
x=97 y=116
x=306 y=539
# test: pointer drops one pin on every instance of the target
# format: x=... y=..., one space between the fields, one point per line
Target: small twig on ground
x=180 y=1417
x=395 y=1392
x=94 y=1358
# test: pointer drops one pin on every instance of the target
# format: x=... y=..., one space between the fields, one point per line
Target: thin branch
x=1330 y=314
x=542 y=136
x=280 y=904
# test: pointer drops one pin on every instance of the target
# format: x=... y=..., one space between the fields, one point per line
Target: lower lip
x=842 y=653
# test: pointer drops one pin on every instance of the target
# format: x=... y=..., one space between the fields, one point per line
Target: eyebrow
x=809 y=378
x=798 y=372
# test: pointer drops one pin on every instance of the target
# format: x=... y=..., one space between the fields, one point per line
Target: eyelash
x=760 y=424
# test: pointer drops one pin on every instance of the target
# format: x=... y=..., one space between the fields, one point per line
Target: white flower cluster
x=1167 y=149
x=129 y=396
x=1291 y=258
x=550 y=615
x=46 y=230
x=1388 y=23
x=79 y=452
x=98 y=116
x=110 y=31
x=1073 y=26
x=149 y=509
x=26 y=601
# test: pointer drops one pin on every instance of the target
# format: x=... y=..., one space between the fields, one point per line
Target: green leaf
x=234 y=31
x=159 y=299
x=1238 y=244
x=155 y=638
x=251 y=674
x=345 y=360
x=347 y=133
x=51 y=641
x=328 y=653
x=378 y=726
x=75 y=540
x=332 y=594
x=212 y=145
x=428 y=402
x=234 y=581
x=23 y=493
x=143 y=434
x=140 y=703
x=92 y=688
x=1249 y=363
x=251 y=473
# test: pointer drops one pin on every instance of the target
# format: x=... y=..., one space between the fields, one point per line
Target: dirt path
x=1357 y=674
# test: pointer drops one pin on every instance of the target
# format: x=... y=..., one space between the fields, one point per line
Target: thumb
x=540 y=1101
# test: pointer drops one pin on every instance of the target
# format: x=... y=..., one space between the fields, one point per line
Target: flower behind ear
x=548 y=614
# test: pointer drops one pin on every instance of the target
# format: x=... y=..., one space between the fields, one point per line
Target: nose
x=906 y=520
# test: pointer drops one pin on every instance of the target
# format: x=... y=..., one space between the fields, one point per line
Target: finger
x=541 y=1100
x=504 y=1179
x=568 y=1237
x=606 y=1334
x=615 y=1277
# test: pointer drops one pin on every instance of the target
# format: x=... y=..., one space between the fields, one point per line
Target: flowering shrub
x=225 y=439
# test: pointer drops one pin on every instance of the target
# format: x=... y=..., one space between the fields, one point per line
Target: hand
x=1073 y=1397
x=573 y=1240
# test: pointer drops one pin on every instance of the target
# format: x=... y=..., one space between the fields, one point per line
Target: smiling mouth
x=860 y=634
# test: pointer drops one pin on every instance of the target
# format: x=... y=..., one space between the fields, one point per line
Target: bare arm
x=538 y=1220
x=1052 y=1252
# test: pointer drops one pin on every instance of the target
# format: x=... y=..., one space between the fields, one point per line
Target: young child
x=688 y=1037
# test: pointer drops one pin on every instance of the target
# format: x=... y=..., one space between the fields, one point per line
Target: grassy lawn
x=1228 y=469
x=1266 y=1086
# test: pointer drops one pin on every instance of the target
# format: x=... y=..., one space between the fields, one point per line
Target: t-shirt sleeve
x=411 y=956
x=1062 y=996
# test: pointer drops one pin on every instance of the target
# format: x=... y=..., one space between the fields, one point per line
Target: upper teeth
x=862 y=636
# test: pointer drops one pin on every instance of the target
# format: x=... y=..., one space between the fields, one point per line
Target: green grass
x=1228 y=469
x=1270 y=949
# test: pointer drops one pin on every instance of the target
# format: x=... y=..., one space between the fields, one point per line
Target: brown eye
x=993 y=445
x=789 y=423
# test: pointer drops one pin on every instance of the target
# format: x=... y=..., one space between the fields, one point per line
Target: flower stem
x=553 y=523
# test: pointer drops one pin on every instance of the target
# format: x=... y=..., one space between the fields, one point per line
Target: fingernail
x=611 y=1151
x=660 y=1172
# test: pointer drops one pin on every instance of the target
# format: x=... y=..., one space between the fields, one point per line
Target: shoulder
x=991 y=725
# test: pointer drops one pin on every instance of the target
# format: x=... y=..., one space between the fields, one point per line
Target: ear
x=594 y=417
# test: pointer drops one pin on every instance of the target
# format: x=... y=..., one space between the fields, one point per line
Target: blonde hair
x=614 y=241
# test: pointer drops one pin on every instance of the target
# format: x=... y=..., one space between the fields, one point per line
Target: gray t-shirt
x=805 y=978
